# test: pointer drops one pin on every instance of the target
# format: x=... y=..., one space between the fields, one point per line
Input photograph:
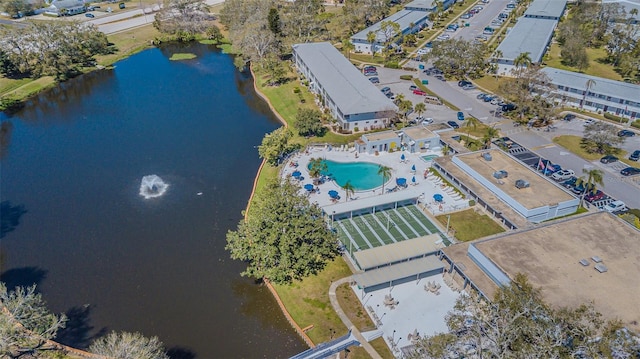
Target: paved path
x=343 y=316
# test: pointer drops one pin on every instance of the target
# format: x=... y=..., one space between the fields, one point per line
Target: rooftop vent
x=596 y=259
x=500 y=174
x=522 y=184
x=584 y=262
x=601 y=268
x=487 y=156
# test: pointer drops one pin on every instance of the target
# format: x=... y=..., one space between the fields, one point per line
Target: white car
x=563 y=175
x=422 y=51
x=427 y=121
x=615 y=206
x=444 y=37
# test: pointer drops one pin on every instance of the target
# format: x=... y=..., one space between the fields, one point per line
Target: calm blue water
x=115 y=261
x=363 y=175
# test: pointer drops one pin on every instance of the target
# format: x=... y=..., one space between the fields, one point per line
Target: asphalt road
x=481 y=20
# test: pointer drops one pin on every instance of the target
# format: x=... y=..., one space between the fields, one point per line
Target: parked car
x=462 y=83
x=508 y=107
x=374 y=80
x=582 y=188
x=488 y=98
x=429 y=44
x=419 y=92
x=370 y=68
x=466 y=16
x=570 y=183
x=588 y=121
x=608 y=159
x=563 y=175
x=615 y=206
x=550 y=169
x=468 y=87
x=385 y=90
x=635 y=155
x=427 y=121
x=481 y=95
x=371 y=73
x=460 y=116
x=568 y=117
x=413 y=87
x=626 y=133
x=453 y=124
x=594 y=196
x=89 y=15
x=630 y=171
x=444 y=37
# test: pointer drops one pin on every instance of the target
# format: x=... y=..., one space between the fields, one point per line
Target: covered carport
x=403 y=272
x=373 y=204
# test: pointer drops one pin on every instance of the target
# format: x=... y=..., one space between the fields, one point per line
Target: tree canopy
x=284 y=238
x=125 y=345
x=52 y=48
x=309 y=122
x=517 y=323
x=458 y=58
x=601 y=137
x=275 y=146
x=184 y=17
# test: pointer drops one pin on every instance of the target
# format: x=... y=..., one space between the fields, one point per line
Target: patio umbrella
x=333 y=193
x=402 y=157
x=296 y=174
x=308 y=187
x=401 y=181
x=413 y=179
x=437 y=197
x=413 y=168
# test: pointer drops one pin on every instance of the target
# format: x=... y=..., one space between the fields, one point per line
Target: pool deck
x=423 y=188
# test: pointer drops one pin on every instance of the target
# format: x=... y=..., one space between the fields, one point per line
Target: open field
x=596 y=66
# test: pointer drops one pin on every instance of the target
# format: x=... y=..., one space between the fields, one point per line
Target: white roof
x=601 y=86
x=396 y=252
x=528 y=35
x=403 y=18
x=367 y=202
x=343 y=82
x=552 y=8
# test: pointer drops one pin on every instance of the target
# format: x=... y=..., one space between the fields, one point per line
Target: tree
x=317 y=166
x=347 y=47
x=284 y=238
x=574 y=53
x=420 y=108
x=404 y=107
x=471 y=123
x=489 y=134
x=371 y=39
x=301 y=20
x=274 y=22
x=409 y=40
x=183 y=17
x=601 y=137
x=458 y=58
x=445 y=149
x=213 y=33
x=15 y=7
x=521 y=61
x=274 y=67
x=594 y=176
x=247 y=22
x=309 y=122
x=128 y=346
x=517 y=323
x=348 y=190
x=275 y=146
x=26 y=325
x=385 y=172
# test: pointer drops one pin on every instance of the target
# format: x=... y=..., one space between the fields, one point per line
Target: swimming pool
x=363 y=175
x=430 y=157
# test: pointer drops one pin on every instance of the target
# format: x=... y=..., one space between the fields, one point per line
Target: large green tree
x=184 y=17
x=125 y=345
x=284 y=238
x=458 y=58
x=309 y=122
x=517 y=323
x=601 y=137
x=275 y=146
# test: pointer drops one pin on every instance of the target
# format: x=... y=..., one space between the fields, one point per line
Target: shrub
x=406 y=77
x=356 y=129
x=615 y=118
x=392 y=65
x=296 y=89
x=636 y=124
x=472 y=202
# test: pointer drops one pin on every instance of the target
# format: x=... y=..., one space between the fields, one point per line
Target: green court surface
x=383 y=227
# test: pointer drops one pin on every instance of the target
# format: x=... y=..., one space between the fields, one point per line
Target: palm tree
x=385 y=172
x=490 y=134
x=316 y=167
x=594 y=176
x=471 y=122
x=522 y=60
x=348 y=190
x=590 y=83
x=420 y=108
x=497 y=55
x=347 y=46
x=371 y=38
x=445 y=149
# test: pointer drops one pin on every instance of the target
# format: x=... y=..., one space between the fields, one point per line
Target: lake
x=75 y=224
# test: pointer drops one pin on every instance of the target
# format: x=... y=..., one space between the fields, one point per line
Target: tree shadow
x=10 y=217
x=23 y=277
x=180 y=353
x=77 y=331
x=6 y=130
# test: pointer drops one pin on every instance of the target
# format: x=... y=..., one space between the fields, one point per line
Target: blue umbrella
x=413 y=168
x=333 y=194
x=437 y=197
x=401 y=181
x=296 y=174
x=308 y=187
x=402 y=157
x=413 y=179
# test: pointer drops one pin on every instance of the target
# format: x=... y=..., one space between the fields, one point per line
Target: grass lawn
x=182 y=56
x=28 y=87
x=128 y=43
x=470 y=225
x=308 y=302
x=368 y=59
x=489 y=83
x=596 y=66
x=572 y=143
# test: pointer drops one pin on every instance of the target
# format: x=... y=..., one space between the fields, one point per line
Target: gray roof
x=398 y=271
x=528 y=35
x=368 y=202
x=426 y=5
x=66 y=4
x=403 y=18
x=343 y=82
x=553 y=8
x=396 y=252
x=602 y=86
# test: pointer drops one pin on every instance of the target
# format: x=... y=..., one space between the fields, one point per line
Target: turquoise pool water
x=429 y=157
x=363 y=175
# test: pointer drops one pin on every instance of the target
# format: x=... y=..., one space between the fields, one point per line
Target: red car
x=419 y=92
x=590 y=196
